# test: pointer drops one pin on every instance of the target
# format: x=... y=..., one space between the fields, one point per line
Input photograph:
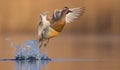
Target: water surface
x=69 y=52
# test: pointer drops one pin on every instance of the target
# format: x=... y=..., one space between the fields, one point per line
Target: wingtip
x=82 y=10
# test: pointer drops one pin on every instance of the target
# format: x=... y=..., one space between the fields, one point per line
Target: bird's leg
x=45 y=45
x=41 y=44
x=47 y=41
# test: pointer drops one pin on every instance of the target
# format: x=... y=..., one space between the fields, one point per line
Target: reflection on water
x=31 y=65
x=42 y=64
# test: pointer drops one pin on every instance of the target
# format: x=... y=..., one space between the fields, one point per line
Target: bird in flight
x=51 y=27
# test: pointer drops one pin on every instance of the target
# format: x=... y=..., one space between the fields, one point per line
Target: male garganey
x=49 y=28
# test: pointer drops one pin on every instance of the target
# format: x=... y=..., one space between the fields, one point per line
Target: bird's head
x=66 y=10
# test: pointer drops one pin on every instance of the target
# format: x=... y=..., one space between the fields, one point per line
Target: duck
x=51 y=27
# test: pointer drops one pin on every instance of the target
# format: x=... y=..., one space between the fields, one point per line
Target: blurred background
x=95 y=35
x=101 y=17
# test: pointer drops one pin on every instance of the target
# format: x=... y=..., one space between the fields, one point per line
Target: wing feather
x=75 y=14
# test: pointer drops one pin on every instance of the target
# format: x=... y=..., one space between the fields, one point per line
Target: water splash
x=29 y=50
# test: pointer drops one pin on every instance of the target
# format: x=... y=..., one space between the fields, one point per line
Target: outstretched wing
x=75 y=14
